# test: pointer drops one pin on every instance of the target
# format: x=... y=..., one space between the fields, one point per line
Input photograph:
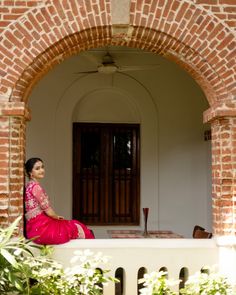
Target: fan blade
x=86 y=72
x=88 y=55
x=137 y=68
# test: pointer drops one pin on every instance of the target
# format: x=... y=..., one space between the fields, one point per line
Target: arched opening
x=120 y=276
x=171 y=138
x=183 y=277
x=141 y=272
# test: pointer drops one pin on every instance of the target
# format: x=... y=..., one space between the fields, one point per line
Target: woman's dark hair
x=30 y=164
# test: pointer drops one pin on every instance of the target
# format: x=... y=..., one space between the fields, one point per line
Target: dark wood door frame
x=106 y=179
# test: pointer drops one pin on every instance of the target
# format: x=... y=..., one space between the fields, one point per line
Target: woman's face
x=38 y=171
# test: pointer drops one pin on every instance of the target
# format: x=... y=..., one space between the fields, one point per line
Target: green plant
x=14 y=275
x=23 y=273
x=156 y=283
x=207 y=283
x=87 y=277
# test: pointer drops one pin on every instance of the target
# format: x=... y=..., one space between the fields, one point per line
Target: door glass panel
x=122 y=156
x=90 y=149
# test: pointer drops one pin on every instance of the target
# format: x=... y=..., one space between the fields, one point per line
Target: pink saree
x=45 y=229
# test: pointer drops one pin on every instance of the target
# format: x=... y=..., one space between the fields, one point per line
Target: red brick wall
x=225 y=10
x=12 y=153
x=223 y=178
x=35 y=35
x=10 y=10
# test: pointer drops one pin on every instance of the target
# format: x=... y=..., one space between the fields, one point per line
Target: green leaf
x=18 y=285
x=9 y=257
x=16 y=280
x=10 y=230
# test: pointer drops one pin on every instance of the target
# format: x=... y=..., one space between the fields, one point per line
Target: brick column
x=13 y=118
x=222 y=116
x=224 y=175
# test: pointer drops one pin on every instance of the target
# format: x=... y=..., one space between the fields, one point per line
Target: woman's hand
x=60 y=217
x=50 y=212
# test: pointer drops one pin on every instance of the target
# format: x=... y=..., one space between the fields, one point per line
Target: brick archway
x=53 y=32
x=179 y=30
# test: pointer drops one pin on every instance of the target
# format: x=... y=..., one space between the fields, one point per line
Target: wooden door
x=106 y=173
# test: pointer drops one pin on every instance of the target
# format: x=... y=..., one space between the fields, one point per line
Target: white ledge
x=226 y=241
x=139 y=243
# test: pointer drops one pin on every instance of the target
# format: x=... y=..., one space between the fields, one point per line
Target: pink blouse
x=36 y=200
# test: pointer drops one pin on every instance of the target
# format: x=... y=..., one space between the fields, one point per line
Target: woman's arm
x=43 y=201
x=50 y=212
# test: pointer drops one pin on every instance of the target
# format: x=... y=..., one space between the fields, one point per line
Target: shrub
x=207 y=283
x=23 y=273
x=156 y=283
x=202 y=283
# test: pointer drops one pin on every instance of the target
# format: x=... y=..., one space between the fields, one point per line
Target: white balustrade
x=152 y=254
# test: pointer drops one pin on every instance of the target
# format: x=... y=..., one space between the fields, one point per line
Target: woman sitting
x=42 y=223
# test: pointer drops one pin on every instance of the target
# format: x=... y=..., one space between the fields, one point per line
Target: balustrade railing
x=131 y=258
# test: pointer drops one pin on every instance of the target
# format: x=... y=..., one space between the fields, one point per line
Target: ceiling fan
x=109 y=66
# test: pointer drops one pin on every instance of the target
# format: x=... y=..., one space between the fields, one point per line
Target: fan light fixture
x=107 y=69
x=108 y=66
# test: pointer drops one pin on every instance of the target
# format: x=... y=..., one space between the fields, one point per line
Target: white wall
x=175 y=159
